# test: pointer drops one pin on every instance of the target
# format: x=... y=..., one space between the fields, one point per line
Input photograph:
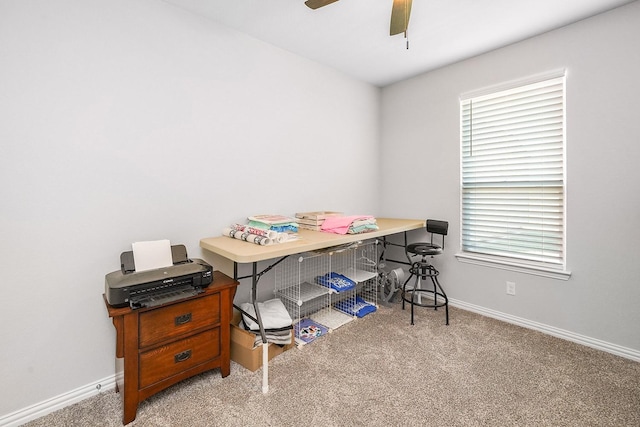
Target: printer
x=185 y=278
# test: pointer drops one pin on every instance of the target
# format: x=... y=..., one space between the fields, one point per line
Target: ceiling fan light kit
x=400 y=12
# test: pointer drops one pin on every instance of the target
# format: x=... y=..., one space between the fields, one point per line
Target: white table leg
x=265 y=367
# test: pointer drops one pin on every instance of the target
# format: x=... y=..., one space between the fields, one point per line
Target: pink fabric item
x=340 y=224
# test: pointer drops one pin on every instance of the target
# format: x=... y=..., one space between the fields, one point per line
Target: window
x=513 y=184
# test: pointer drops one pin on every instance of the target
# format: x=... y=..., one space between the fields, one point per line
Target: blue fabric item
x=355 y=306
x=337 y=282
x=284 y=228
x=289 y=227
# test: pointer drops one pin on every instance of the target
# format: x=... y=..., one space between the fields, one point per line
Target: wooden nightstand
x=159 y=346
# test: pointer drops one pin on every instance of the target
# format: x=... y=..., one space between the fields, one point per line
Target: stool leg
x=404 y=289
x=419 y=279
x=416 y=285
x=418 y=268
x=436 y=282
x=446 y=311
x=434 y=277
x=412 y=306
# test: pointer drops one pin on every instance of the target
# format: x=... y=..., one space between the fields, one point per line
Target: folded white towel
x=273 y=313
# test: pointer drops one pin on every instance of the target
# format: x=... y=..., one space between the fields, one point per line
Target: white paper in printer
x=152 y=254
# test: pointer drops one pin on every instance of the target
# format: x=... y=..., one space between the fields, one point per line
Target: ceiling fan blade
x=400 y=16
x=315 y=4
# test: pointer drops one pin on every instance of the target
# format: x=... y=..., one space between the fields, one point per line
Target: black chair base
x=422 y=271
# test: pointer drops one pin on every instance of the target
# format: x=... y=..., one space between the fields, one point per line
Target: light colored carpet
x=381 y=371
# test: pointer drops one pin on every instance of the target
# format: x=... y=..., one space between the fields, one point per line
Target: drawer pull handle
x=182 y=319
x=181 y=357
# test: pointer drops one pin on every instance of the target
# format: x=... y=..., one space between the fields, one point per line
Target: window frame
x=556 y=271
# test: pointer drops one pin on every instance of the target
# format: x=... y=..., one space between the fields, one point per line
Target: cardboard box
x=242 y=350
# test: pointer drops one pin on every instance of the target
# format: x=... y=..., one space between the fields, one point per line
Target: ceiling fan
x=399 y=14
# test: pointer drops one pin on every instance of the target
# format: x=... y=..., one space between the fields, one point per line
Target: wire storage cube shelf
x=365 y=271
x=321 y=289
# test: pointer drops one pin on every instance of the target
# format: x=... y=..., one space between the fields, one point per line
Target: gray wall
x=123 y=121
x=421 y=150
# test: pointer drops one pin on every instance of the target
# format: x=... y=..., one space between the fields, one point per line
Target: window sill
x=514 y=266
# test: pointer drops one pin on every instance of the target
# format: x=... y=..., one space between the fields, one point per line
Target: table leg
x=265 y=344
x=265 y=367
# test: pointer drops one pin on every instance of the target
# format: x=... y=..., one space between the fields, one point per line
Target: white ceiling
x=353 y=35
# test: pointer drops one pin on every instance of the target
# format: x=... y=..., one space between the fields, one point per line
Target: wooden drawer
x=174 y=320
x=163 y=362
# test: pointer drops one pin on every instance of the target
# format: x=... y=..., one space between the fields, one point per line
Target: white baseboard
x=625 y=352
x=48 y=406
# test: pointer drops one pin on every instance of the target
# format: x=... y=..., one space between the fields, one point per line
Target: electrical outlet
x=511 y=288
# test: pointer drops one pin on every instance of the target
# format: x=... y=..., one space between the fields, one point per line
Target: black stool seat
x=424 y=249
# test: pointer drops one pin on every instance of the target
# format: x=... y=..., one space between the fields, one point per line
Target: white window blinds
x=513 y=173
